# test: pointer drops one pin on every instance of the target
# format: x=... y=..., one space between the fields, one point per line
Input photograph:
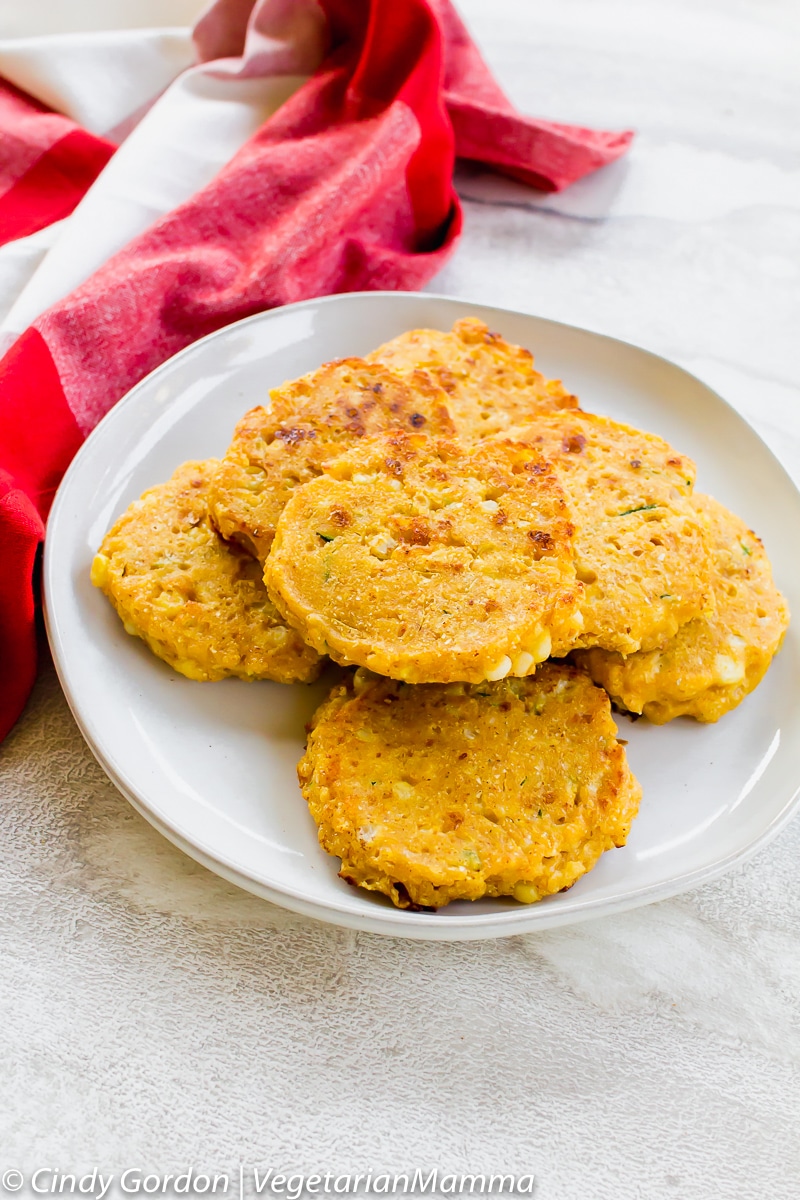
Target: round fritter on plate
x=430 y=562
x=641 y=549
x=711 y=664
x=450 y=792
x=199 y=603
x=276 y=449
x=490 y=383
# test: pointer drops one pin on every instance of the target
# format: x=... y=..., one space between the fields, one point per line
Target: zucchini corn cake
x=276 y=449
x=199 y=603
x=490 y=384
x=711 y=664
x=430 y=562
x=453 y=792
x=641 y=548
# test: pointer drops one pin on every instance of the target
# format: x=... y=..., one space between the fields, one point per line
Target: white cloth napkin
x=176 y=125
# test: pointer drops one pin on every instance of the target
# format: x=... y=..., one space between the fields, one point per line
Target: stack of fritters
x=714 y=661
x=308 y=422
x=443 y=518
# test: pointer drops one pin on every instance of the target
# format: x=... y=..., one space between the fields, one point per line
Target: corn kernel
x=526 y=893
x=500 y=670
x=541 y=647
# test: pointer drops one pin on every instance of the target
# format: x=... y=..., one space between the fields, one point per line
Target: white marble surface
x=154 y=1016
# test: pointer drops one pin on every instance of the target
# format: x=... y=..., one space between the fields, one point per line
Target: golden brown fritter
x=198 y=602
x=450 y=792
x=429 y=562
x=490 y=384
x=641 y=549
x=309 y=420
x=711 y=664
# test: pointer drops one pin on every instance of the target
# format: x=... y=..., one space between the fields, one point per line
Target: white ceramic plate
x=213 y=765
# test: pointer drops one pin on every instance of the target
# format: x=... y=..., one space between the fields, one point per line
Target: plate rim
x=389 y=921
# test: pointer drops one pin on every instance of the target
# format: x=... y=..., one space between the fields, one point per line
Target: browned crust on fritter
x=198 y=602
x=490 y=383
x=277 y=448
x=426 y=561
x=437 y=793
x=714 y=662
x=641 y=549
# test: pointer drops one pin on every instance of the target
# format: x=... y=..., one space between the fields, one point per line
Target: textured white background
x=151 y=1015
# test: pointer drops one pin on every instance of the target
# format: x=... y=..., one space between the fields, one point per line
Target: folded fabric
x=347 y=186
x=46 y=164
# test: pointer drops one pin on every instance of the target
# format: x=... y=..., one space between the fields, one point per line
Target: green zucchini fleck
x=639 y=508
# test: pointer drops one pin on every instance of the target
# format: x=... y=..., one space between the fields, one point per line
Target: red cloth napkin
x=46 y=164
x=347 y=187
